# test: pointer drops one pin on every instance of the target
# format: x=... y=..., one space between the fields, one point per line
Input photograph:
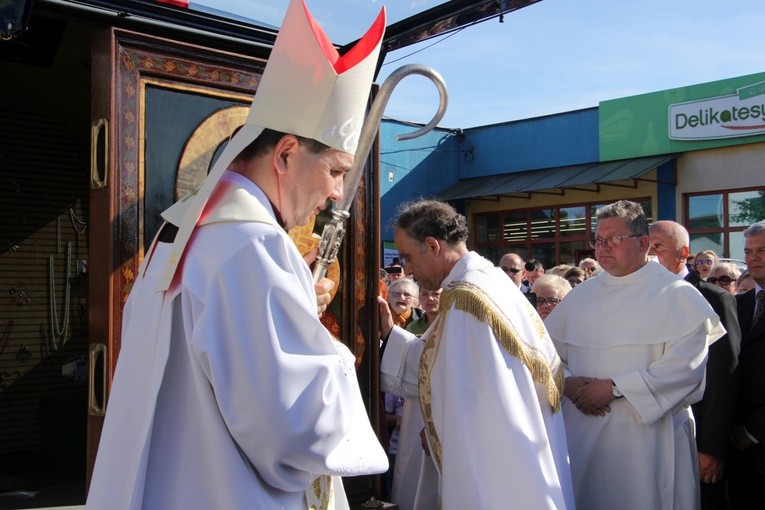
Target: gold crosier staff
x=334 y=230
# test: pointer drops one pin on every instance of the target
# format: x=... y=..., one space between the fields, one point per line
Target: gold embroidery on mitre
x=474 y=301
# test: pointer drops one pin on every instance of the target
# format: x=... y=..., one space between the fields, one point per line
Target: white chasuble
x=229 y=392
x=489 y=383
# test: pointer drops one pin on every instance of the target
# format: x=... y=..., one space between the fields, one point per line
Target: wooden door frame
x=122 y=63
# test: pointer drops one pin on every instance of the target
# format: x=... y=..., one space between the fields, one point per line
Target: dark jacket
x=714 y=413
x=751 y=405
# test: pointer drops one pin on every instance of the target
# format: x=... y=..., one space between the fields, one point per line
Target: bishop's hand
x=323 y=287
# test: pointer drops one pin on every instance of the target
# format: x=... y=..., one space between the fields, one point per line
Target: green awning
x=554 y=178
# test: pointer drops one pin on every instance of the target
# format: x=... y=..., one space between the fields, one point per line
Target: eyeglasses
x=398 y=293
x=513 y=270
x=702 y=262
x=547 y=301
x=724 y=279
x=611 y=241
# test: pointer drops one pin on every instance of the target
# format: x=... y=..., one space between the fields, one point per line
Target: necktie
x=760 y=311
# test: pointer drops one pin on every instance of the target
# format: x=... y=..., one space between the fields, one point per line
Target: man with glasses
x=748 y=459
x=513 y=266
x=402 y=299
x=633 y=371
x=670 y=243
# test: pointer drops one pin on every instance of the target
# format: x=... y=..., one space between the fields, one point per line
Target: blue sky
x=561 y=55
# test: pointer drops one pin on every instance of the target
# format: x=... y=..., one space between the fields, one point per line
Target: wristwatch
x=615 y=392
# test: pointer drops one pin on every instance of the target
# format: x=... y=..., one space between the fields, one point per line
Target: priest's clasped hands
x=589 y=394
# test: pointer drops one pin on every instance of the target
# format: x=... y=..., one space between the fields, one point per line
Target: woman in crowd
x=575 y=276
x=550 y=290
x=705 y=261
x=402 y=299
x=725 y=275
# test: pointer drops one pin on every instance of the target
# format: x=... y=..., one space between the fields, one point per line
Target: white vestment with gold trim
x=489 y=383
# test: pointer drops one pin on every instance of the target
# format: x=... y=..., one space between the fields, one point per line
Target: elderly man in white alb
x=229 y=393
x=633 y=370
x=488 y=377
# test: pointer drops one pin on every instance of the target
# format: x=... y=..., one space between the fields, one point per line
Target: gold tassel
x=472 y=300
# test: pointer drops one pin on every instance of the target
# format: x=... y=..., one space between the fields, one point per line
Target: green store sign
x=715 y=114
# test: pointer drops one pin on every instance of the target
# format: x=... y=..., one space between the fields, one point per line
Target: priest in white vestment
x=229 y=393
x=415 y=479
x=634 y=340
x=488 y=378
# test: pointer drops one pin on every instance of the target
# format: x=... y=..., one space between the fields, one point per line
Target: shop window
x=545 y=253
x=515 y=226
x=708 y=241
x=736 y=244
x=705 y=211
x=573 y=221
x=746 y=207
x=716 y=221
x=487 y=229
x=542 y=224
x=490 y=252
x=557 y=235
x=568 y=251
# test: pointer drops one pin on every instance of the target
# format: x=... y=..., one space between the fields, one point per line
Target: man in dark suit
x=670 y=244
x=513 y=266
x=748 y=462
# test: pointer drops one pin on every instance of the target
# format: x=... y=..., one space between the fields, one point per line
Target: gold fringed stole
x=470 y=299
x=320 y=495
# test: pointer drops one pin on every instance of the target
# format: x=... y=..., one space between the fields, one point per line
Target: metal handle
x=97 y=395
x=332 y=235
x=99 y=154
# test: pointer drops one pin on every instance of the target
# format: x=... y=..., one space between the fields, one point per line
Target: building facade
x=695 y=155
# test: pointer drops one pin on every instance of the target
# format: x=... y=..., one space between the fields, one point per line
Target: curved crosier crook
x=332 y=235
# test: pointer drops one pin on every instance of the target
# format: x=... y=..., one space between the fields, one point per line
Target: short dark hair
x=533 y=265
x=433 y=218
x=268 y=139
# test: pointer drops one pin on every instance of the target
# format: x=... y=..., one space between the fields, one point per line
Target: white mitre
x=307 y=89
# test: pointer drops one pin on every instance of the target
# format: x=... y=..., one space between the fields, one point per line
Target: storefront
x=694 y=154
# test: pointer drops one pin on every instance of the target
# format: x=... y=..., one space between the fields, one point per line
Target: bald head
x=670 y=243
x=512 y=265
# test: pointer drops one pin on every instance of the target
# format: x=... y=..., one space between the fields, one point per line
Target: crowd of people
x=661 y=389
